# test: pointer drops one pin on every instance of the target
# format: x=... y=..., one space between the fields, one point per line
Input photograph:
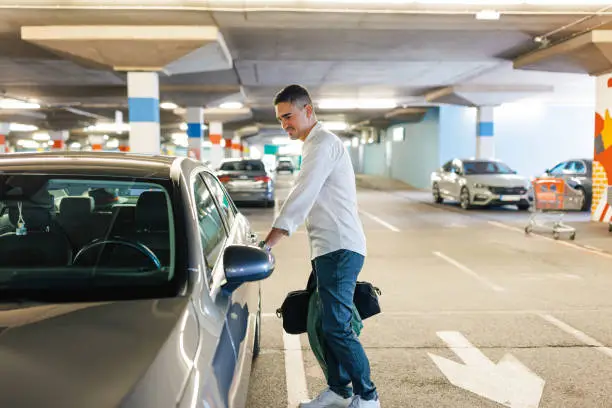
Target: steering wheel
x=143 y=249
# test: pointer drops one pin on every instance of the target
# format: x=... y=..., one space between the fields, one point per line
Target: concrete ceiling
x=400 y=55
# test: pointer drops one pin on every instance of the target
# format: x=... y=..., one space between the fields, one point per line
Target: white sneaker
x=327 y=399
x=357 y=402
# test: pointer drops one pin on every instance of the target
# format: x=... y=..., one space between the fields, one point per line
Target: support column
x=4 y=131
x=195 y=123
x=236 y=148
x=602 y=163
x=124 y=145
x=58 y=137
x=143 y=103
x=97 y=142
x=485 y=143
x=228 y=147
x=215 y=134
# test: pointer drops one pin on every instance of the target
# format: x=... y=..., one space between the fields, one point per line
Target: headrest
x=76 y=206
x=152 y=211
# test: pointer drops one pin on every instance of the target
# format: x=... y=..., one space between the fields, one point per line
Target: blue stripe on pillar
x=143 y=109
x=194 y=130
x=485 y=129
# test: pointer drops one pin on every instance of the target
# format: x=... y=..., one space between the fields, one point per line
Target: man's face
x=294 y=119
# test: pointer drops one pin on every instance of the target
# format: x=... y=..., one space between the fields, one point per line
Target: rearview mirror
x=243 y=263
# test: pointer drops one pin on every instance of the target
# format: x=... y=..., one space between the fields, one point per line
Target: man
x=325 y=197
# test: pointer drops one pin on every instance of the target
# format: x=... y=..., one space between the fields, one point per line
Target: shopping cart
x=553 y=196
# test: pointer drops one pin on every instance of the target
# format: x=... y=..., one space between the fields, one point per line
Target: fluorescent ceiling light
x=280 y=141
x=41 y=136
x=75 y=145
x=335 y=125
x=28 y=143
x=20 y=127
x=231 y=105
x=8 y=103
x=488 y=15
x=183 y=126
x=108 y=127
x=168 y=105
x=357 y=104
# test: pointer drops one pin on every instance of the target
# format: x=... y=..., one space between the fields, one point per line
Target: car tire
x=523 y=207
x=585 y=203
x=464 y=199
x=270 y=203
x=257 y=344
x=437 y=197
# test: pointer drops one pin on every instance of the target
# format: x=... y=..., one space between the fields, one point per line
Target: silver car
x=152 y=301
x=247 y=181
x=475 y=182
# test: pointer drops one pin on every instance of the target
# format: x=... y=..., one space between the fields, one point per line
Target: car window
x=486 y=167
x=68 y=237
x=560 y=168
x=223 y=199
x=577 y=167
x=243 y=165
x=212 y=231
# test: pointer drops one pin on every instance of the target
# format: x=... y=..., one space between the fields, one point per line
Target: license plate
x=510 y=198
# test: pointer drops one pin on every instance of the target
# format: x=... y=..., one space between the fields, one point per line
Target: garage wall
x=413 y=159
x=458 y=127
x=532 y=137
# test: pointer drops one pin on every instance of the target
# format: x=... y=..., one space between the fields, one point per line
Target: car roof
x=90 y=163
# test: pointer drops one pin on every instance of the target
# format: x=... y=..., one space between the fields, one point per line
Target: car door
x=444 y=183
x=242 y=304
x=455 y=177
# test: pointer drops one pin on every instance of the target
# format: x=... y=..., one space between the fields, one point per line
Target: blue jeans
x=346 y=360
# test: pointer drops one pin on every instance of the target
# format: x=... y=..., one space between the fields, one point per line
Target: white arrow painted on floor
x=508 y=382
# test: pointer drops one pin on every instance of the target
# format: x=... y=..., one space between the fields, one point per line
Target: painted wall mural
x=602 y=164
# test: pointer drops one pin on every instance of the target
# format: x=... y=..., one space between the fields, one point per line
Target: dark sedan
x=153 y=301
x=247 y=180
x=579 y=174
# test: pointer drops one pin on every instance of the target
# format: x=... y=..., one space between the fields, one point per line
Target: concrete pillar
x=4 y=131
x=236 y=148
x=195 y=124
x=124 y=145
x=229 y=150
x=215 y=134
x=58 y=137
x=602 y=163
x=485 y=143
x=97 y=142
x=143 y=103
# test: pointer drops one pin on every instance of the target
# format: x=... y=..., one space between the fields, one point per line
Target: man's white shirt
x=324 y=197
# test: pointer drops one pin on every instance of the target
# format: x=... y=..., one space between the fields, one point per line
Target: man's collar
x=317 y=126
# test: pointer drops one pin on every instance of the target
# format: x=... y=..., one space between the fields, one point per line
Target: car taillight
x=265 y=179
x=224 y=179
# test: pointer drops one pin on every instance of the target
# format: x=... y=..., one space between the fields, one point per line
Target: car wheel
x=585 y=202
x=464 y=199
x=436 y=194
x=523 y=207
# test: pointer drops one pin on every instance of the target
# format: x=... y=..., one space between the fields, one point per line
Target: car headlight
x=478 y=185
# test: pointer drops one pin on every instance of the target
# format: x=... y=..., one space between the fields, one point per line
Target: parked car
x=247 y=180
x=154 y=302
x=285 y=165
x=475 y=182
x=579 y=174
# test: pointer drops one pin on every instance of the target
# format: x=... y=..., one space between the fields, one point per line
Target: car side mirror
x=243 y=263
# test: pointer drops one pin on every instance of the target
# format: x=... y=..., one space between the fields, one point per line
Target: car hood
x=498 y=180
x=80 y=355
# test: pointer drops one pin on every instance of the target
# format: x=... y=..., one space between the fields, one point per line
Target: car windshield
x=486 y=167
x=243 y=165
x=70 y=238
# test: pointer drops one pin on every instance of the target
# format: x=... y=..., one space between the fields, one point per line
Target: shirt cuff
x=280 y=223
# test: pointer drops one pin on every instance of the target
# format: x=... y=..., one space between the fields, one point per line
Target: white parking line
x=381 y=222
x=297 y=390
x=470 y=272
x=586 y=248
x=586 y=339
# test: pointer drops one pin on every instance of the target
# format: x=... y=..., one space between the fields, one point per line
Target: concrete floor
x=471 y=278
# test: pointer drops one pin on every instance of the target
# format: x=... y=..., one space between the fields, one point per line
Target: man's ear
x=309 y=110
